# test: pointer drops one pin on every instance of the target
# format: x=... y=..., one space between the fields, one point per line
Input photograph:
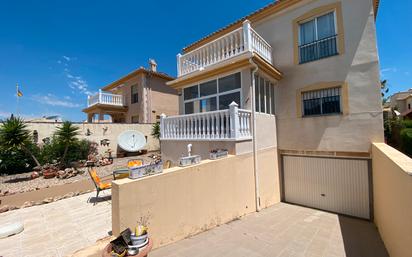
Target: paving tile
x=281 y=230
x=58 y=228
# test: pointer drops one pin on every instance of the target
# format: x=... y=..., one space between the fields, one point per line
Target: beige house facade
x=402 y=103
x=299 y=78
x=139 y=97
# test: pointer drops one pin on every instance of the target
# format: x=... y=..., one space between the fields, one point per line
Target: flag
x=19 y=93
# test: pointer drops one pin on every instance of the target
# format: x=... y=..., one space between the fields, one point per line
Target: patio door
x=333 y=184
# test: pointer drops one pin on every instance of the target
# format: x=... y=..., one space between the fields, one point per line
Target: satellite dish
x=131 y=140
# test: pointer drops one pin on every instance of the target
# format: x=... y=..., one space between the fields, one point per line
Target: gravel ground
x=20 y=183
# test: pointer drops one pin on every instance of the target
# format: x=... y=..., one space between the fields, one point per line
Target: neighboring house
x=305 y=75
x=139 y=97
x=402 y=103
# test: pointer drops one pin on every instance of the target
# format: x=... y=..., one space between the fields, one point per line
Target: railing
x=318 y=49
x=230 y=45
x=105 y=98
x=231 y=124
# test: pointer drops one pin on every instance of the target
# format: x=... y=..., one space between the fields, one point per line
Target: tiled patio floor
x=283 y=230
x=58 y=229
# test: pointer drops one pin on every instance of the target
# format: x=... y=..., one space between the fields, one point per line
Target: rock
x=37 y=168
x=34 y=175
x=49 y=174
x=6 y=192
x=37 y=188
x=5 y=208
x=48 y=200
x=13 y=208
x=27 y=204
x=68 y=195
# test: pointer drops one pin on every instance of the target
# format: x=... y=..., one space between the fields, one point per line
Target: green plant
x=406 y=123
x=156 y=130
x=14 y=137
x=406 y=141
x=66 y=135
x=54 y=151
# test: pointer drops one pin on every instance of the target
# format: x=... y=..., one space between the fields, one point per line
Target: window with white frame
x=264 y=95
x=321 y=102
x=318 y=38
x=213 y=95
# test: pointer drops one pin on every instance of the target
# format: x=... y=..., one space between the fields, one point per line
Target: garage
x=339 y=185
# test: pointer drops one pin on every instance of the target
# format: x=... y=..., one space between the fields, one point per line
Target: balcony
x=224 y=125
x=239 y=41
x=105 y=98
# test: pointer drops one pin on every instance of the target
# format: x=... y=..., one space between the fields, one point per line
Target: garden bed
x=19 y=183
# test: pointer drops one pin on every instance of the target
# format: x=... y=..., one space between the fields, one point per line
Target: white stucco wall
x=99 y=132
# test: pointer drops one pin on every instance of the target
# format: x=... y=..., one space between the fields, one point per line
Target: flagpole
x=17 y=96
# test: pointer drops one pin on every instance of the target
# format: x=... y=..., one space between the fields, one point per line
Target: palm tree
x=14 y=135
x=66 y=135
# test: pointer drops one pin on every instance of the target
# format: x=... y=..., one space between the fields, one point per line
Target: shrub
x=406 y=141
x=54 y=151
x=16 y=161
x=406 y=123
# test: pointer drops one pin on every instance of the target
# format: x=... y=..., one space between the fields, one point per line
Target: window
x=409 y=106
x=135 y=119
x=264 y=96
x=229 y=83
x=317 y=38
x=321 y=102
x=135 y=95
x=213 y=95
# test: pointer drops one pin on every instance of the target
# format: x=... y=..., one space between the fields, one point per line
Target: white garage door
x=332 y=184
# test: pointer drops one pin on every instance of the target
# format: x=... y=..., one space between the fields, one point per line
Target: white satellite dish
x=131 y=140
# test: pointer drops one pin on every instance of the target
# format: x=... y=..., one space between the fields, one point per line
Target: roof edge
x=134 y=73
x=253 y=17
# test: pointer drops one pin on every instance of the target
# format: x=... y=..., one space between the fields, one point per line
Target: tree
x=66 y=134
x=14 y=135
x=384 y=90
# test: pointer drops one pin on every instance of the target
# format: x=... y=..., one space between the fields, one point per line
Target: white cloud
x=53 y=100
x=385 y=71
x=77 y=83
x=4 y=114
x=66 y=58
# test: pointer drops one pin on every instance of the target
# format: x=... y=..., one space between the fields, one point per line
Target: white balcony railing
x=241 y=40
x=105 y=98
x=231 y=124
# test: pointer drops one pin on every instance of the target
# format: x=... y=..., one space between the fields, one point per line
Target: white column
x=247 y=37
x=100 y=95
x=162 y=126
x=179 y=65
x=234 y=120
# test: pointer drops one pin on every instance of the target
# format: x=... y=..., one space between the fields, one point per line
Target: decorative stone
x=48 y=200
x=37 y=168
x=4 y=208
x=34 y=175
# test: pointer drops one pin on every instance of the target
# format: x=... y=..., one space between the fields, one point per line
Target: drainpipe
x=255 y=157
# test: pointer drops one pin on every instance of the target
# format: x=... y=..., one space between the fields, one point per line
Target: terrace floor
x=283 y=230
x=60 y=228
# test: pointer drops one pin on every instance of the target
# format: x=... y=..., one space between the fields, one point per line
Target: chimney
x=152 y=65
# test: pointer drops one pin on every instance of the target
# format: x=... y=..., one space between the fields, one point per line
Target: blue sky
x=60 y=51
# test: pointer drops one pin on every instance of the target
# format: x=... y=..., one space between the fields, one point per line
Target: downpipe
x=255 y=157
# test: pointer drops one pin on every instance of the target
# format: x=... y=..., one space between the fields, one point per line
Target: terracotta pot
x=107 y=252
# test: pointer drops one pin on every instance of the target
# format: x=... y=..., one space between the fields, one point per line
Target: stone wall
x=96 y=132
